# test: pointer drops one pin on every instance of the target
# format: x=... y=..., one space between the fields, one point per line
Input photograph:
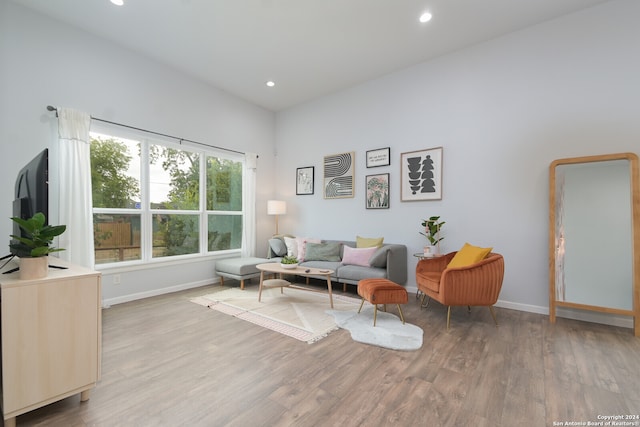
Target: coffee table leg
x=261 y=281
x=330 y=292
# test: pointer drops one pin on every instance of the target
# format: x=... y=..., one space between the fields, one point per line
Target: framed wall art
x=377 y=190
x=338 y=176
x=421 y=175
x=379 y=157
x=305 y=180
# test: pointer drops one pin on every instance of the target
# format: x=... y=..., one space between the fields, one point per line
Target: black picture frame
x=379 y=157
x=305 y=177
x=377 y=191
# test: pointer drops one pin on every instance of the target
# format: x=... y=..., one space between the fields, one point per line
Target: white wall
x=44 y=62
x=502 y=110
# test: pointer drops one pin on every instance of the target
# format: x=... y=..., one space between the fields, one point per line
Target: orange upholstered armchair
x=477 y=284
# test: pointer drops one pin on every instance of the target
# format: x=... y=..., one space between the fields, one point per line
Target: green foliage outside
x=111 y=187
x=172 y=234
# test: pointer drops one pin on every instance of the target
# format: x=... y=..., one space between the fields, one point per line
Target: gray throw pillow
x=322 y=252
x=278 y=247
x=379 y=258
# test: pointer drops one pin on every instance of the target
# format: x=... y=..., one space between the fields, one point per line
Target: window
x=156 y=200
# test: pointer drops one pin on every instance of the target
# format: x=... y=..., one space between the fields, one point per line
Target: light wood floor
x=170 y=362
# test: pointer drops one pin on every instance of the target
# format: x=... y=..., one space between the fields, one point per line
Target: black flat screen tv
x=32 y=191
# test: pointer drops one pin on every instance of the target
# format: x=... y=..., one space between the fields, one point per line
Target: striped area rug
x=295 y=313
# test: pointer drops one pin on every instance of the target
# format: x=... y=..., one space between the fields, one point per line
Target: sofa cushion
x=379 y=257
x=292 y=246
x=278 y=247
x=354 y=273
x=468 y=255
x=431 y=280
x=358 y=256
x=302 y=246
x=329 y=251
x=239 y=266
x=367 y=242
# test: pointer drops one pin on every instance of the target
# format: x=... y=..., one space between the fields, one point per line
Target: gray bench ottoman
x=239 y=268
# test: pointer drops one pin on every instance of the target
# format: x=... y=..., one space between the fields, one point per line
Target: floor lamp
x=276 y=207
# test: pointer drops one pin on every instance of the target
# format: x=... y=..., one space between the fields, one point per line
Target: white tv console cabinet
x=51 y=337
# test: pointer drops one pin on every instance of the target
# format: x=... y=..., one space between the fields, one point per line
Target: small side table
x=423 y=256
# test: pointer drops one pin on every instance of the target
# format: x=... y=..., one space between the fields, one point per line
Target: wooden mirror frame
x=635 y=223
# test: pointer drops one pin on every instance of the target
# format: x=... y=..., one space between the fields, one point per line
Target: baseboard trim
x=106 y=303
x=566 y=313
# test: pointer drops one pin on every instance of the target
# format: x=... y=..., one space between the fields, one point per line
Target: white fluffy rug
x=389 y=331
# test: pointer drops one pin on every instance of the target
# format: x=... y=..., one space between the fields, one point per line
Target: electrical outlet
x=116 y=279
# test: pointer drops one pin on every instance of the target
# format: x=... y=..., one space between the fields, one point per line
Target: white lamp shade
x=276 y=207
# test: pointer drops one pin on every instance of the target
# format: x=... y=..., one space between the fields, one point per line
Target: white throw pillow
x=292 y=246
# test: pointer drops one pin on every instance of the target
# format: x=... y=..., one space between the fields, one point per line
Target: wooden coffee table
x=276 y=268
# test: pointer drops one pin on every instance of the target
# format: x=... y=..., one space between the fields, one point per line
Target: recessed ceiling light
x=425 y=17
x=117 y=2
x=270 y=83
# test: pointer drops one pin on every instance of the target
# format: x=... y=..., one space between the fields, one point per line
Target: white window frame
x=146 y=213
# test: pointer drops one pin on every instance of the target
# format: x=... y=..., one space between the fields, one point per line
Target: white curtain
x=249 y=204
x=75 y=203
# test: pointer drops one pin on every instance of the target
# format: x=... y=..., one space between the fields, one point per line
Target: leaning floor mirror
x=594 y=235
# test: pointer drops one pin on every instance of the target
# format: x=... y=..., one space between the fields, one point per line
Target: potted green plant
x=432 y=228
x=34 y=245
x=289 y=262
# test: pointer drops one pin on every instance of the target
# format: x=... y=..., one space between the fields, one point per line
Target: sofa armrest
x=397 y=263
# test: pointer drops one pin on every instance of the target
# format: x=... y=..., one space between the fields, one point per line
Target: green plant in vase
x=432 y=228
x=36 y=243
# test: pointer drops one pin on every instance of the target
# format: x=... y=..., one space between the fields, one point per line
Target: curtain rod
x=180 y=140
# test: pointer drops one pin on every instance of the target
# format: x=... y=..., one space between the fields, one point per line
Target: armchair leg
x=493 y=314
x=361 y=304
x=422 y=304
x=448 y=316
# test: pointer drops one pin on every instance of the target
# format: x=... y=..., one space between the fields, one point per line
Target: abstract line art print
x=421 y=175
x=338 y=175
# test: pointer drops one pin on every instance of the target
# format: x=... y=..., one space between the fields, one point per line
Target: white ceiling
x=310 y=48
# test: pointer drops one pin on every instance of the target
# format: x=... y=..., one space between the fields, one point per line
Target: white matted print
x=304 y=180
x=421 y=175
x=338 y=176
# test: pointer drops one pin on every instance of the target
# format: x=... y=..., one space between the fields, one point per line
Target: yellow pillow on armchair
x=468 y=255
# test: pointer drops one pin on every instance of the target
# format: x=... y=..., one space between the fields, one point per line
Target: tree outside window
x=173 y=200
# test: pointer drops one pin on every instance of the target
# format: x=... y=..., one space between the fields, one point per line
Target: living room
x=502 y=110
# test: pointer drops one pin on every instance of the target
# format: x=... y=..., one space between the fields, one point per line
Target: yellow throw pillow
x=369 y=242
x=468 y=255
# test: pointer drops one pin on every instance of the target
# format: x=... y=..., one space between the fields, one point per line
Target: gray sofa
x=388 y=262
